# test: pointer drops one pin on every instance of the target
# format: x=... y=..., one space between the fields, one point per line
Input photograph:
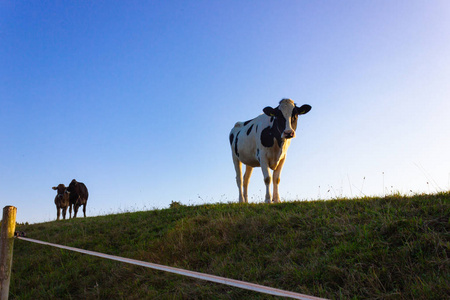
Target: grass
x=369 y=248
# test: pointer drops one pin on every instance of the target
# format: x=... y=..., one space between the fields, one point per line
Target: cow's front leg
x=248 y=173
x=267 y=180
x=238 y=168
x=58 y=213
x=64 y=210
x=276 y=181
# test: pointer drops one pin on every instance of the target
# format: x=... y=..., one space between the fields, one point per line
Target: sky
x=137 y=98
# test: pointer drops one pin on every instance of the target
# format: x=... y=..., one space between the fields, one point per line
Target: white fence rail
x=213 y=278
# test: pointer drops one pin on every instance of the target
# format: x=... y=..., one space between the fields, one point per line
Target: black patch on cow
x=231 y=138
x=249 y=130
x=236 y=144
x=246 y=122
x=277 y=129
x=267 y=137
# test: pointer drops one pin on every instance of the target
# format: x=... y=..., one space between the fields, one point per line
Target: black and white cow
x=263 y=142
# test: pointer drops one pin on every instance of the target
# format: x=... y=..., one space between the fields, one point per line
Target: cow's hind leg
x=248 y=173
x=84 y=209
x=238 y=168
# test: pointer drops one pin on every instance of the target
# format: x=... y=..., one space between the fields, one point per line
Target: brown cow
x=78 y=196
x=62 y=200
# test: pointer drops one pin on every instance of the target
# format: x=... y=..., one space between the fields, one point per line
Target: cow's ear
x=304 y=109
x=269 y=111
x=54 y=188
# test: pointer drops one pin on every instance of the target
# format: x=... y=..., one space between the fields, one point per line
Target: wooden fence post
x=6 y=249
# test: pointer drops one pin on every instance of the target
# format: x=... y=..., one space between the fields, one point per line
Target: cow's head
x=60 y=190
x=285 y=116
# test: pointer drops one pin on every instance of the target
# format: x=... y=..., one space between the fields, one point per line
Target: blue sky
x=136 y=98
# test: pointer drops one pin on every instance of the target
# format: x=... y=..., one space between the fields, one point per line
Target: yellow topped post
x=6 y=249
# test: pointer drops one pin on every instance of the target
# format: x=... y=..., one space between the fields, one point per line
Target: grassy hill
x=372 y=248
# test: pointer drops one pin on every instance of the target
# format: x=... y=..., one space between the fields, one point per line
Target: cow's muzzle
x=289 y=134
x=62 y=195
